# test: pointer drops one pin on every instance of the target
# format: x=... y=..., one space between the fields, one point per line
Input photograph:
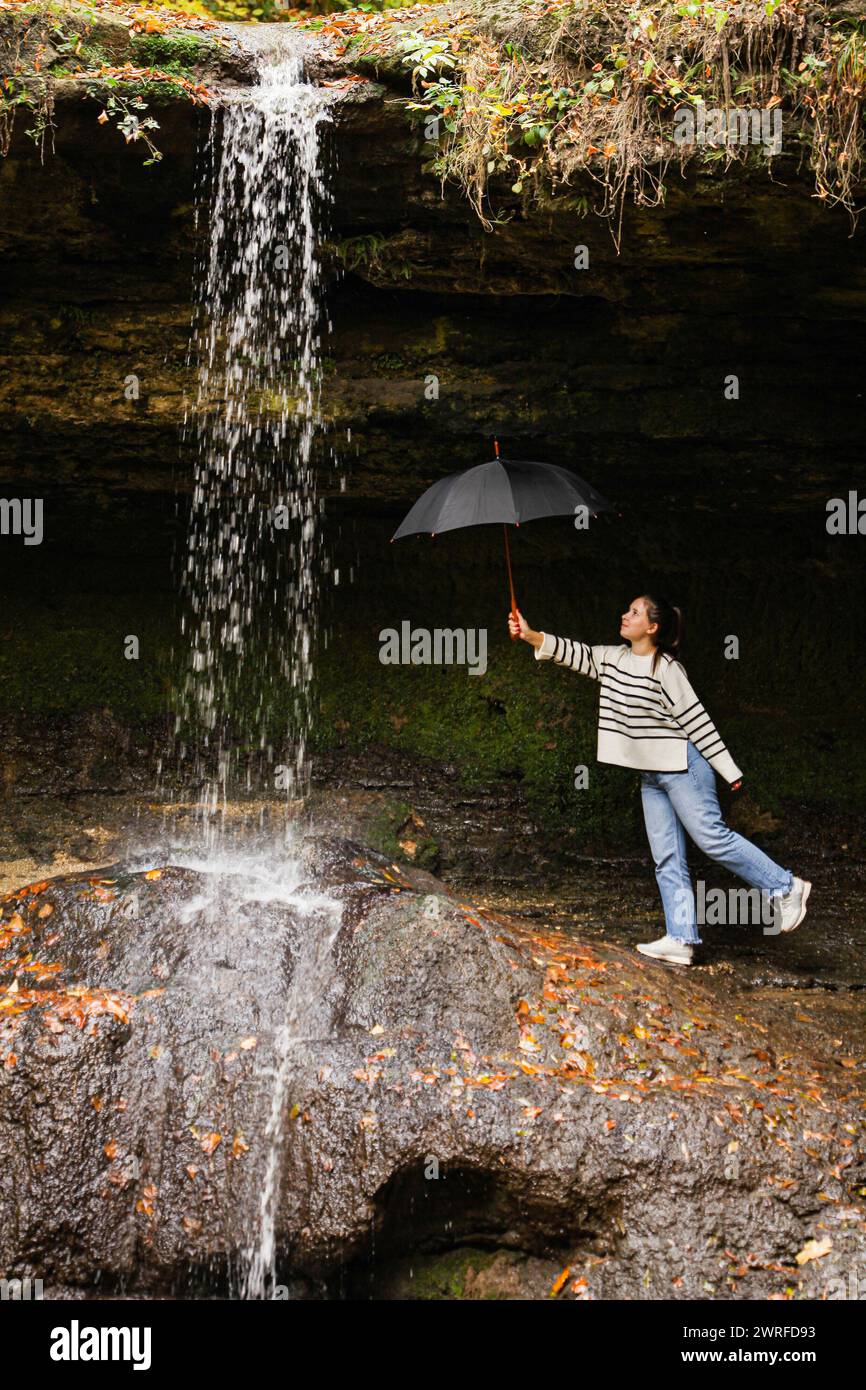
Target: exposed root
x=601 y=91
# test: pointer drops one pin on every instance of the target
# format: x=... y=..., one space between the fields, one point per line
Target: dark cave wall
x=737 y=274
x=617 y=372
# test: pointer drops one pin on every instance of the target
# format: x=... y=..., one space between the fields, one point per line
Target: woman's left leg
x=667 y=841
x=696 y=802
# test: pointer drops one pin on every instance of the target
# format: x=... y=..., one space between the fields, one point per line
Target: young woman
x=651 y=719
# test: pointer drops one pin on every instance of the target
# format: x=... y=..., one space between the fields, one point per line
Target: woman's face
x=635 y=623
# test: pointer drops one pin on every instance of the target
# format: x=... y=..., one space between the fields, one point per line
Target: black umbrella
x=505 y=491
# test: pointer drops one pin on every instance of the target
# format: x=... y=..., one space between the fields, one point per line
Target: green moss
x=388 y=363
x=509 y=725
x=522 y=723
x=394 y=824
x=444 y=1276
x=68 y=659
x=172 y=52
x=92 y=55
x=150 y=91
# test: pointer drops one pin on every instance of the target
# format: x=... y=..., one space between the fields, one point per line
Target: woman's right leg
x=695 y=802
x=668 y=845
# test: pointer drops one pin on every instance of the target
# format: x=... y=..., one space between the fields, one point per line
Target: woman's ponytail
x=668 y=640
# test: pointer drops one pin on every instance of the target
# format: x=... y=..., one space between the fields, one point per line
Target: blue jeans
x=676 y=802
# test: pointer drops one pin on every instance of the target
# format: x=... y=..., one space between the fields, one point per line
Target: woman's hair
x=668 y=639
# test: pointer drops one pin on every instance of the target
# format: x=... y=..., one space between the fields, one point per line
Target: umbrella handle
x=514 y=636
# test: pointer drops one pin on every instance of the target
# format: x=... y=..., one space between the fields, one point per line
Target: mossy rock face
x=398 y=831
x=47 y=43
x=99 y=36
x=105 y=35
x=468 y=1274
x=437 y=1278
x=174 y=50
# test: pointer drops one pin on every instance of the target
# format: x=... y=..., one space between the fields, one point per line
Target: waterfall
x=254 y=556
x=249 y=575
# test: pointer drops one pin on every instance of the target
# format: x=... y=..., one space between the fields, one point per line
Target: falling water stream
x=254 y=555
x=250 y=572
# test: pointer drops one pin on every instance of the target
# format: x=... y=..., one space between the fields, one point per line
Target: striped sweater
x=644 y=720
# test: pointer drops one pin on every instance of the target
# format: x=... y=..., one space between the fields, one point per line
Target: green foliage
x=360 y=251
x=272 y=11
x=126 y=108
x=370 y=253
x=424 y=56
x=44 y=43
x=542 y=96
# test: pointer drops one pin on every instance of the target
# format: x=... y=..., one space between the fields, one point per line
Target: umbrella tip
x=496 y=447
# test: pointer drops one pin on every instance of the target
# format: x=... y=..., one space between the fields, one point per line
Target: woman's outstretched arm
x=564 y=651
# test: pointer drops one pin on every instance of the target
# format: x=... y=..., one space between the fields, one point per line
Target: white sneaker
x=792 y=904
x=669 y=948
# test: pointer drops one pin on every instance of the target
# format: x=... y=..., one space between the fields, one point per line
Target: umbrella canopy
x=503 y=490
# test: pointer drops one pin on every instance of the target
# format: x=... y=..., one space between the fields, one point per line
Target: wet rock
x=359 y=1065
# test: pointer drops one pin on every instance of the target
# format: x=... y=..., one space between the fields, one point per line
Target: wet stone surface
x=411 y=1073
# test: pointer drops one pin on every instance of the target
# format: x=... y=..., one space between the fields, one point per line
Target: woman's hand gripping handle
x=519 y=627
